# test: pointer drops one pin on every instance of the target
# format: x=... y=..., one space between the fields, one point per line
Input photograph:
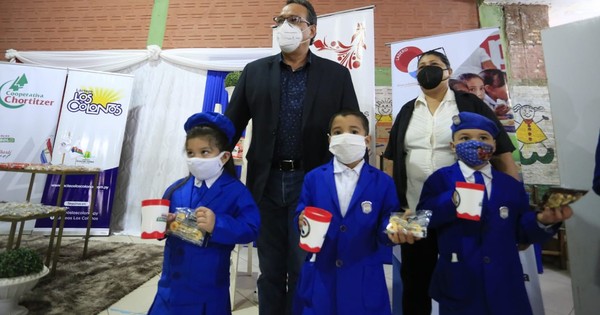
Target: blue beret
x=215 y=120
x=468 y=120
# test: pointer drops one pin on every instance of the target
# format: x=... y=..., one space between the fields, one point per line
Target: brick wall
x=74 y=25
x=523 y=33
x=118 y=24
x=528 y=86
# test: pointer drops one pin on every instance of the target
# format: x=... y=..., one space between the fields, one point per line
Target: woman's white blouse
x=427 y=143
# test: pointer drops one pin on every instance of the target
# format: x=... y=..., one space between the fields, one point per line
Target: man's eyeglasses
x=292 y=19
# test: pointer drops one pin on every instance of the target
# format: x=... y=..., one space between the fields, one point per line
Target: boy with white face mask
x=346 y=276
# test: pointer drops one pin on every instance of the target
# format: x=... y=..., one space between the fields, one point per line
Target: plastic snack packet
x=557 y=196
x=184 y=227
x=416 y=223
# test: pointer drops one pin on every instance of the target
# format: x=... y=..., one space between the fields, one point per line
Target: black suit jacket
x=257 y=97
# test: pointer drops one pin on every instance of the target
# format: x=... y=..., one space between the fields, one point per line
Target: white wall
x=573 y=70
x=567 y=11
x=561 y=11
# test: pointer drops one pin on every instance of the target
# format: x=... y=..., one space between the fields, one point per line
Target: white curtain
x=168 y=88
x=219 y=59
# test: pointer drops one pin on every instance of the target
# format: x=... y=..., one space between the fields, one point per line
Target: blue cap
x=215 y=120
x=468 y=120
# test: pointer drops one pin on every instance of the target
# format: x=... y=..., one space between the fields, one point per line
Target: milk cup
x=154 y=218
x=316 y=223
x=469 y=200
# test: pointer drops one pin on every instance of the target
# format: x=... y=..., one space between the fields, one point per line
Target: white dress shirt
x=345 y=182
x=427 y=143
x=491 y=103
x=470 y=178
x=209 y=181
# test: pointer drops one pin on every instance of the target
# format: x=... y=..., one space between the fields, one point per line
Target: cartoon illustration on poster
x=383 y=109
x=532 y=136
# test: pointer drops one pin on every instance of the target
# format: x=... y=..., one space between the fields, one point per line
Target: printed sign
x=30 y=98
x=90 y=134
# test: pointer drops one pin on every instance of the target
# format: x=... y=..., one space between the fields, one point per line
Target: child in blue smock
x=478 y=271
x=346 y=276
x=195 y=279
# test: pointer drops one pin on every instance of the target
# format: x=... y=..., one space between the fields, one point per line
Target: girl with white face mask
x=225 y=215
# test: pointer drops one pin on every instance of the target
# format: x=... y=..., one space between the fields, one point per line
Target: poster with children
x=478 y=67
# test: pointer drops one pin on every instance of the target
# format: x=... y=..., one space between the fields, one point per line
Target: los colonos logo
x=12 y=95
x=95 y=101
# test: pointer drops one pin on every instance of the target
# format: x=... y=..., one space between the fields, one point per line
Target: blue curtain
x=214 y=92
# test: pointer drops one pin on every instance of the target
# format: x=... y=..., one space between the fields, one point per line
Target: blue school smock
x=347 y=276
x=486 y=276
x=195 y=280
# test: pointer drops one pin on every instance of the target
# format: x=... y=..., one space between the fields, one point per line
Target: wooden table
x=58 y=215
x=63 y=174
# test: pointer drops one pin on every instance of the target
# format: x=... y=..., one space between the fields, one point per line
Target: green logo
x=17 y=84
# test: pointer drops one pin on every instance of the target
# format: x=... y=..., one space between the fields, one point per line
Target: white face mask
x=289 y=37
x=204 y=169
x=348 y=147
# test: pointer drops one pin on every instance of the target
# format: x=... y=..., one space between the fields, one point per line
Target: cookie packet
x=558 y=196
x=415 y=223
x=184 y=227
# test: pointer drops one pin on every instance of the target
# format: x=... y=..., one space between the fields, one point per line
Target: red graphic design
x=404 y=56
x=349 y=56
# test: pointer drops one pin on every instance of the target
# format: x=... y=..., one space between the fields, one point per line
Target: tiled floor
x=555 y=284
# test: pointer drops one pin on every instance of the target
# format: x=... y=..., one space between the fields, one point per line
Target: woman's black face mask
x=430 y=76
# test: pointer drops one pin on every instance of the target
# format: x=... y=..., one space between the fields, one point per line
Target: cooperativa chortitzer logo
x=13 y=94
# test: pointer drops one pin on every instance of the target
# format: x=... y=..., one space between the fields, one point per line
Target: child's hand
x=205 y=219
x=170 y=218
x=398 y=234
x=301 y=220
x=501 y=110
x=401 y=237
x=554 y=215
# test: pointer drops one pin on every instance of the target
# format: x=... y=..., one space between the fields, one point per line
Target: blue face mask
x=474 y=153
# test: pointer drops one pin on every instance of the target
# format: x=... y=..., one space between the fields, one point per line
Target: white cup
x=154 y=218
x=316 y=224
x=469 y=201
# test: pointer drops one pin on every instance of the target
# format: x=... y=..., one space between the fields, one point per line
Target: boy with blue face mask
x=478 y=270
x=346 y=276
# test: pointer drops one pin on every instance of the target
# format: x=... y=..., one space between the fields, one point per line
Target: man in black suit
x=290 y=98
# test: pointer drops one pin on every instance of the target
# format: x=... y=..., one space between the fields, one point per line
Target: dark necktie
x=479 y=180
